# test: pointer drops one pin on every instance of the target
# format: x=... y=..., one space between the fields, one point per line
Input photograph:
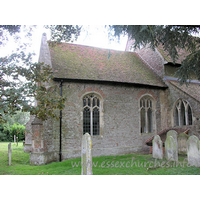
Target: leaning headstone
x=182 y=140
x=193 y=151
x=86 y=155
x=9 y=153
x=157 y=147
x=171 y=152
x=14 y=139
x=174 y=134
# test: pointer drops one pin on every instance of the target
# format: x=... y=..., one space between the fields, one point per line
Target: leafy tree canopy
x=22 y=81
x=172 y=38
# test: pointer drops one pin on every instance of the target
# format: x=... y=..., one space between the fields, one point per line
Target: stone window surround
x=101 y=111
x=186 y=105
x=150 y=97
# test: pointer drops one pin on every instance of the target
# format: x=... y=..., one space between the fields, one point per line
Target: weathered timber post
x=86 y=155
x=9 y=153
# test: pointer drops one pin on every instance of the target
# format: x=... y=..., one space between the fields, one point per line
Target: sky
x=91 y=35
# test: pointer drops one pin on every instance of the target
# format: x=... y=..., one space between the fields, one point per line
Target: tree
x=172 y=38
x=64 y=32
x=22 y=81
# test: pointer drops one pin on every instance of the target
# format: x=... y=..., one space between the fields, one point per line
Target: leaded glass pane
x=84 y=102
x=96 y=121
x=86 y=121
x=89 y=102
x=91 y=115
x=149 y=116
x=189 y=115
x=182 y=114
x=146 y=115
x=176 y=117
x=142 y=117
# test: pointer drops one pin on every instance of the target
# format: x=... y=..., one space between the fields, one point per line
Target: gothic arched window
x=182 y=113
x=146 y=115
x=91 y=114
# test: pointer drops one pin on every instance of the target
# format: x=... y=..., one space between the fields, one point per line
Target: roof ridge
x=83 y=45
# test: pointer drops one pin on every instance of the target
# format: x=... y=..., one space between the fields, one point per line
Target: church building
x=121 y=98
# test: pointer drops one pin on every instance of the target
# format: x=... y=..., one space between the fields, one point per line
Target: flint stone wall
x=120 y=125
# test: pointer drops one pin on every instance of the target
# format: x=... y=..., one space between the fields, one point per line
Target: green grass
x=134 y=164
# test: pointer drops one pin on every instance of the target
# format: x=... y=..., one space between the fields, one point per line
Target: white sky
x=91 y=35
x=94 y=36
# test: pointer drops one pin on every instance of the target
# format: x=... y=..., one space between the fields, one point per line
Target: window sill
x=146 y=133
x=97 y=136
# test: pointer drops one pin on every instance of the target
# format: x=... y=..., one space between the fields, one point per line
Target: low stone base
x=27 y=148
x=96 y=152
x=43 y=158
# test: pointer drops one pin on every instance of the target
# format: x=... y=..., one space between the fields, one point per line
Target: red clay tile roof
x=192 y=89
x=74 y=61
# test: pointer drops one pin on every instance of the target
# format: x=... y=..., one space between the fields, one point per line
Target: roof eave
x=108 y=82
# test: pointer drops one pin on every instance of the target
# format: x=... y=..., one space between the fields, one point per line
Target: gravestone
x=157 y=147
x=86 y=155
x=174 y=134
x=193 y=151
x=9 y=153
x=171 y=151
x=14 y=139
x=182 y=146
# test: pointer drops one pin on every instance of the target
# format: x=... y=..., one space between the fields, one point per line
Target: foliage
x=64 y=32
x=172 y=38
x=23 y=81
x=20 y=118
x=8 y=131
x=6 y=30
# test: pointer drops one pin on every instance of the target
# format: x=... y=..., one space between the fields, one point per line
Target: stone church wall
x=120 y=124
x=176 y=94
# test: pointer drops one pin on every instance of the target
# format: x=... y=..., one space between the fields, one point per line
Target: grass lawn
x=134 y=164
